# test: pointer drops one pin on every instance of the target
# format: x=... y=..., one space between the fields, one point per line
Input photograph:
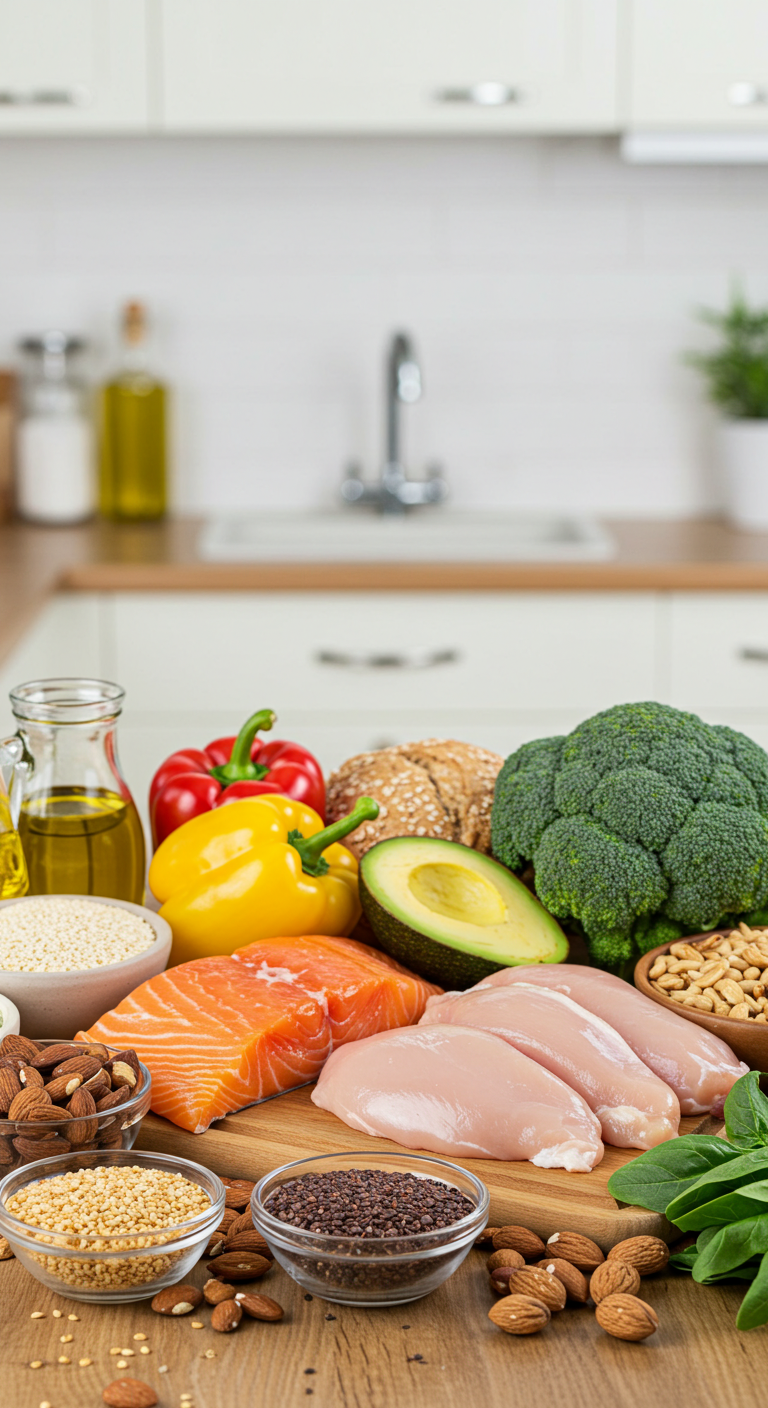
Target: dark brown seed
x=365 y=1203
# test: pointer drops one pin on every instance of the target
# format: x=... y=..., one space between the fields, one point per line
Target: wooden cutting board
x=254 y=1141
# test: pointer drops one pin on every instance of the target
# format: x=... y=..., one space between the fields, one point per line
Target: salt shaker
x=55 y=450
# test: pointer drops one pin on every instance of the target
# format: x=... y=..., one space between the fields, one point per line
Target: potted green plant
x=736 y=373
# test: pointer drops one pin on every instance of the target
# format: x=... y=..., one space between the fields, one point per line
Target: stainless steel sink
x=431 y=535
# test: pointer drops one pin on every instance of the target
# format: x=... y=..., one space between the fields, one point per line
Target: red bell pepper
x=196 y=780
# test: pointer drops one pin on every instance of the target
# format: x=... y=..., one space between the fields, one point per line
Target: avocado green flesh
x=453 y=914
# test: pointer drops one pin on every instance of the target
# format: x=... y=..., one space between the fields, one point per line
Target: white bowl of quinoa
x=65 y=960
x=10 y=1021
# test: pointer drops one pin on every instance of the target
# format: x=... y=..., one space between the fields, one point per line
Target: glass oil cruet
x=14 y=879
x=79 y=827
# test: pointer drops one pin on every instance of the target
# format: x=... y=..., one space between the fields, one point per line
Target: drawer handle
x=387 y=659
x=43 y=98
x=481 y=95
x=754 y=652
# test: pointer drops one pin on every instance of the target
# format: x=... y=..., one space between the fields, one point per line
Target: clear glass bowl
x=113 y=1129
x=122 y=1267
x=375 y=1270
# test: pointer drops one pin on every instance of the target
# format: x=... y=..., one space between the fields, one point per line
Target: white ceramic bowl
x=10 y=1022
x=64 y=1003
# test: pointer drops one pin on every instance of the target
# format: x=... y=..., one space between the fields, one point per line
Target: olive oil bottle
x=132 y=453
x=79 y=842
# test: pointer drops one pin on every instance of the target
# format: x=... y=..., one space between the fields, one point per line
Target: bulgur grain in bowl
x=115 y=1226
x=65 y=960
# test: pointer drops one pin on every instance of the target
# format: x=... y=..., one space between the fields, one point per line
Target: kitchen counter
x=692 y=555
x=440 y=1350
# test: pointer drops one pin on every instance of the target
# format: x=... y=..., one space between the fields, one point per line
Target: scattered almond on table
x=725 y=976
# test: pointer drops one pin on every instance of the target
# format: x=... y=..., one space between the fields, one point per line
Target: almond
x=13 y=1045
x=575 y=1282
x=129 y=1393
x=259 y=1307
x=28 y=1076
x=614 y=1278
x=228 y=1219
x=6 y=1250
x=109 y=1099
x=94 y=1048
x=216 y=1291
x=177 y=1300
x=242 y=1222
x=532 y=1281
x=216 y=1245
x=7 y=1155
x=125 y=1058
x=110 y=1138
x=82 y=1104
x=239 y=1266
x=49 y=1056
x=500 y=1279
x=519 y=1315
x=226 y=1316
x=647 y=1254
x=10 y=1087
x=626 y=1317
x=82 y=1066
x=248 y=1242
x=23 y=1104
x=122 y=1074
x=580 y=1251
x=238 y=1193
x=63 y=1087
x=519 y=1239
x=485 y=1238
x=505 y=1257
x=46 y=1148
x=98 y=1085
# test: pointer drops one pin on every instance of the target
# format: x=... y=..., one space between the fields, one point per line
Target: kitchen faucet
x=395 y=492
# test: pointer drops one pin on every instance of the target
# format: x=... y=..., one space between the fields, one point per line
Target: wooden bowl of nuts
x=719 y=981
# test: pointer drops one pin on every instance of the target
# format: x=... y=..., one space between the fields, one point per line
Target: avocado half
x=453 y=914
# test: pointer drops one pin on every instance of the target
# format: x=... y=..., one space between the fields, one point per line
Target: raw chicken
x=636 y=1110
x=462 y=1092
x=698 y=1066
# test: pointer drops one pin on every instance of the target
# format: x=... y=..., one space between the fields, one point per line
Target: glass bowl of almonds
x=57 y=1097
x=719 y=981
x=110 y=1226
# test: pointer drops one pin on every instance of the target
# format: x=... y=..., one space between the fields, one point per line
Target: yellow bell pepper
x=259 y=868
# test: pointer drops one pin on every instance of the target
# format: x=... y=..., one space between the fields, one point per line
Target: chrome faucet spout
x=395 y=492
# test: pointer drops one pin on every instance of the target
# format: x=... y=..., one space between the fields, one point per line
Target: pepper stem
x=240 y=768
x=310 y=848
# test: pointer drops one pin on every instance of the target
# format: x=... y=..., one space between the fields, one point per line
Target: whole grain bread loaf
x=439 y=787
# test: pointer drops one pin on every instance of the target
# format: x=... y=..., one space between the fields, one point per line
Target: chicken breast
x=699 y=1067
x=462 y=1092
x=636 y=1110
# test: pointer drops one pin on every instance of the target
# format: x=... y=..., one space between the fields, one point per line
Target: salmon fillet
x=215 y=1038
x=221 y=1033
x=363 y=991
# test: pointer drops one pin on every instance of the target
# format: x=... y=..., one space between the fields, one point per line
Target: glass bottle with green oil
x=132 y=451
x=80 y=831
x=14 y=880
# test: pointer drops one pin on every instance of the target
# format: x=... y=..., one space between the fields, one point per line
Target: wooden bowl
x=747 y=1041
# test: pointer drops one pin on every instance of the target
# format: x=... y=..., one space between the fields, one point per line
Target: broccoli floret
x=642 y=824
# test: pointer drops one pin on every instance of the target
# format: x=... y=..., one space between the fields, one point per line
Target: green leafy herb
x=658 y=1176
x=741 y=1168
x=737 y=371
x=684 y=1261
x=731 y=1247
x=746 y=1113
x=753 y=1310
x=751 y=1200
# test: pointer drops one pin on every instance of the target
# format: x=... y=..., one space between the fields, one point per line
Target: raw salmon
x=220 y=1033
x=362 y=990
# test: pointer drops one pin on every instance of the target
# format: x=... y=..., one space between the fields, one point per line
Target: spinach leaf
x=748 y=1201
x=684 y=1261
x=738 y=1169
x=753 y=1310
x=656 y=1177
x=746 y=1113
x=732 y=1246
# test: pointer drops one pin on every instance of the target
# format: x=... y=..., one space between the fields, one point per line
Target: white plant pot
x=744 y=462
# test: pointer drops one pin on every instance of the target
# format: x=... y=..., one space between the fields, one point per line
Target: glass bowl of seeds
x=61 y=1097
x=113 y=1226
x=364 y=1229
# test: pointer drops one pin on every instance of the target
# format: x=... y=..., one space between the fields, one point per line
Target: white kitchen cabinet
x=74 y=66
x=698 y=63
x=718 y=652
x=389 y=65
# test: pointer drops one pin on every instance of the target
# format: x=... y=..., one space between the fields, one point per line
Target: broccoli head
x=642 y=824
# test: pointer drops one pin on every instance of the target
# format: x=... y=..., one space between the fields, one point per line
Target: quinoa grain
x=58 y=935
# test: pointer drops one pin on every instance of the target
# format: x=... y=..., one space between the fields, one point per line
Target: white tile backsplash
x=549 y=287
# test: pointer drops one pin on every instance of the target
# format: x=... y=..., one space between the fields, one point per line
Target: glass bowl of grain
x=362 y=1229
x=61 y=1097
x=114 y=1226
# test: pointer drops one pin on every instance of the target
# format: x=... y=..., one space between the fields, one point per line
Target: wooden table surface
x=442 y=1351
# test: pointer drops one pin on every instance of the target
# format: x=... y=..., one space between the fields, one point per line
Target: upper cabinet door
x=73 y=66
x=699 y=63
x=389 y=65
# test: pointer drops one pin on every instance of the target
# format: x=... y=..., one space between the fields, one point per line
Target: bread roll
x=435 y=788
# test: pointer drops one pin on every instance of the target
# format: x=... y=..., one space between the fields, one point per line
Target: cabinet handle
x=746 y=95
x=754 y=652
x=387 y=660
x=43 y=98
x=483 y=95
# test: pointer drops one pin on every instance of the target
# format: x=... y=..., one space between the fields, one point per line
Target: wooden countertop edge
x=366 y=576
